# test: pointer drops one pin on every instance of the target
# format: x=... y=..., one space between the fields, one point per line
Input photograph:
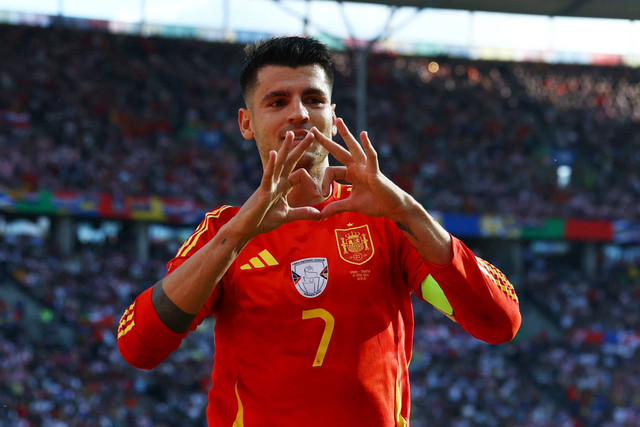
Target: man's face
x=289 y=99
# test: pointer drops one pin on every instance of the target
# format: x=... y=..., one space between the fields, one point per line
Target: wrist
x=407 y=210
x=233 y=235
x=426 y=234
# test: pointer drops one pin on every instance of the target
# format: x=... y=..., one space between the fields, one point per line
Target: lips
x=298 y=135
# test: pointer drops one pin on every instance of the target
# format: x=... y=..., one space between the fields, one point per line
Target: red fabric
x=143 y=339
x=483 y=300
x=268 y=333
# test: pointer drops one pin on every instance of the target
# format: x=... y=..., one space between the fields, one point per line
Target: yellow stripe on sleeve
x=499 y=278
x=191 y=242
x=126 y=322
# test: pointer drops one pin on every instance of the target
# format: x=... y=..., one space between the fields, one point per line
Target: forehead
x=279 y=78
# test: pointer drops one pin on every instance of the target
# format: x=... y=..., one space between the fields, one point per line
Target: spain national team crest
x=310 y=276
x=354 y=244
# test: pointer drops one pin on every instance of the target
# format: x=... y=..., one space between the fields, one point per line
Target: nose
x=298 y=112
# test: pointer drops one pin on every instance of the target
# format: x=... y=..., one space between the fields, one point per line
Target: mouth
x=298 y=135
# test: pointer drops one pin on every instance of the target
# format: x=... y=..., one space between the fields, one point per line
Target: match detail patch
x=310 y=276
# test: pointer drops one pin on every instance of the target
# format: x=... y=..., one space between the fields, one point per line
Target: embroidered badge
x=310 y=276
x=354 y=244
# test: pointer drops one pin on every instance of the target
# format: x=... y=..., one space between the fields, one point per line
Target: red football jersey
x=314 y=322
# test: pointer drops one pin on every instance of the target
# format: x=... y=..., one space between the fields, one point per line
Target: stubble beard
x=314 y=160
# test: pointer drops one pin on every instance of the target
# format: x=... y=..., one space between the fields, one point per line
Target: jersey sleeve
x=143 y=338
x=469 y=290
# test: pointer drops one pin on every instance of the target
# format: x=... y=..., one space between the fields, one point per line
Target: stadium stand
x=152 y=115
x=100 y=113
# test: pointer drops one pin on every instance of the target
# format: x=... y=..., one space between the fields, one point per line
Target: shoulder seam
x=193 y=239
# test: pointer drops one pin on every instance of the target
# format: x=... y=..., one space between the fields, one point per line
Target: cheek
x=260 y=133
x=325 y=123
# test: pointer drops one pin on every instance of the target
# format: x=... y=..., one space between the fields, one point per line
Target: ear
x=334 y=127
x=244 y=122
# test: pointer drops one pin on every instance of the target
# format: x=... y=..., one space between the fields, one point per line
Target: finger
x=267 y=175
x=303 y=213
x=370 y=152
x=352 y=144
x=302 y=178
x=332 y=173
x=283 y=154
x=336 y=207
x=341 y=154
x=297 y=152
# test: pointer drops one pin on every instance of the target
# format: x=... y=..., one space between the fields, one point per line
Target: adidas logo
x=263 y=259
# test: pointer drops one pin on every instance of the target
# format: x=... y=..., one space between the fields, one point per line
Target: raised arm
x=189 y=286
x=467 y=289
x=376 y=195
x=154 y=325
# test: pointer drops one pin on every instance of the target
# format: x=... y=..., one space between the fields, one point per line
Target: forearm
x=144 y=339
x=430 y=239
x=480 y=297
x=156 y=322
x=191 y=284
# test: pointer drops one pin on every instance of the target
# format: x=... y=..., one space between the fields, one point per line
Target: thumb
x=337 y=207
x=303 y=213
x=302 y=178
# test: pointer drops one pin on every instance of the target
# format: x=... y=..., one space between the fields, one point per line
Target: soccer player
x=310 y=281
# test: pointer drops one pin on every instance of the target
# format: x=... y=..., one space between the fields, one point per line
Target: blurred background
x=516 y=125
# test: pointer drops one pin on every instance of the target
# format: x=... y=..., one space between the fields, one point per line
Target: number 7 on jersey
x=326 y=334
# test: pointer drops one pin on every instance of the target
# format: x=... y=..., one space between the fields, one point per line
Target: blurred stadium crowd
x=99 y=112
x=124 y=115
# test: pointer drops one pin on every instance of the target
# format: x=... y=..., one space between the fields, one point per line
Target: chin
x=313 y=160
x=304 y=163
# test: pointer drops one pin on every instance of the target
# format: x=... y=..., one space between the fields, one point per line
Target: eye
x=314 y=100
x=276 y=103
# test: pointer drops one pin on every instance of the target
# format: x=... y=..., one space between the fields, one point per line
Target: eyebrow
x=285 y=93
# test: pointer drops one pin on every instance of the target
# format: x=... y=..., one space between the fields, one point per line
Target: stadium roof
x=614 y=9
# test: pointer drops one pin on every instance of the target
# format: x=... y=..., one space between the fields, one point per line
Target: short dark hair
x=291 y=52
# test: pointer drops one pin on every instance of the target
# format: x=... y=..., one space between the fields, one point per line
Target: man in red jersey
x=310 y=280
